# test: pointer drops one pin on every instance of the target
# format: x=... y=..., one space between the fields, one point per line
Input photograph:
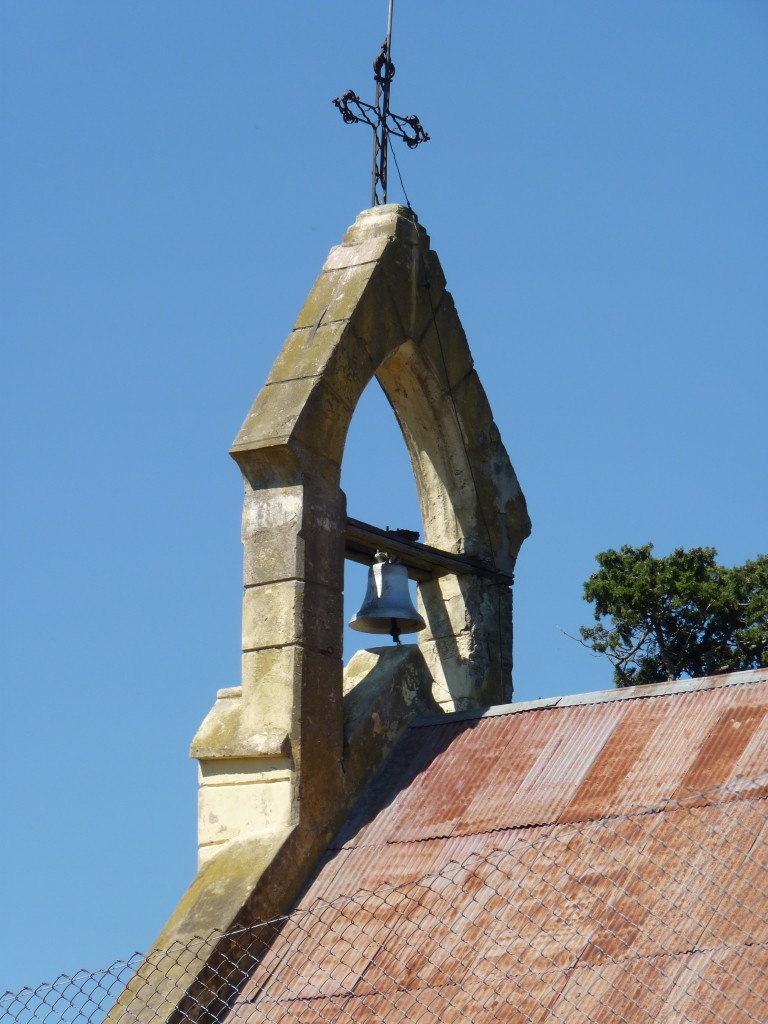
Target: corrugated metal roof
x=596 y=862
x=563 y=763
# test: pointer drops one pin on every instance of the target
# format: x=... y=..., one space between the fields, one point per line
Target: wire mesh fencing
x=656 y=915
x=84 y=996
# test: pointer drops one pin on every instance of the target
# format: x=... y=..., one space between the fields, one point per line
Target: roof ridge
x=665 y=689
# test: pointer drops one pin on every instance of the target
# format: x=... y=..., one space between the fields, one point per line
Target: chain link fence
x=657 y=915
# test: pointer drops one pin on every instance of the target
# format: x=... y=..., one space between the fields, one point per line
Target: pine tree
x=683 y=615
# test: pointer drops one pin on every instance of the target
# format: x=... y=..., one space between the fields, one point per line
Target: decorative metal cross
x=380 y=118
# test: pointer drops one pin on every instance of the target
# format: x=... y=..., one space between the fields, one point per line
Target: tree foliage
x=683 y=615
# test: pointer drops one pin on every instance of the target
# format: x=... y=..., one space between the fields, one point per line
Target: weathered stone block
x=445 y=344
x=446 y=605
x=379 y=675
x=455 y=676
x=226 y=732
x=376 y=320
x=304 y=410
x=367 y=251
x=292 y=612
x=255 y=804
x=322 y=708
x=238 y=771
x=384 y=688
x=292 y=533
x=272 y=520
x=474 y=410
x=226 y=812
x=270 y=677
x=335 y=295
x=404 y=273
x=434 y=278
x=344 y=363
x=319 y=778
x=220 y=727
x=476 y=614
x=294 y=687
x=391 y=221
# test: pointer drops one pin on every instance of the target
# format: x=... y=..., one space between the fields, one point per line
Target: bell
x=387 y=606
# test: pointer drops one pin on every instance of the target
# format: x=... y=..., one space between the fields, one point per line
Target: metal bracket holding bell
x=387 y=605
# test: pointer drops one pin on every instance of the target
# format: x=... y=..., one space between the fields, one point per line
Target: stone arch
x=379 y=308
x=456 y=515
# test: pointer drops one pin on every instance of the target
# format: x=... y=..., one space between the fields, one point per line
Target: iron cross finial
x=380 y=118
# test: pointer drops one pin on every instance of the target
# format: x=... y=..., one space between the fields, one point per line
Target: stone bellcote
x=272 y=752
x=284 y=755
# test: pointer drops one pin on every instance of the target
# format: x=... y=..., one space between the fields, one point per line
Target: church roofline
x=665 y=689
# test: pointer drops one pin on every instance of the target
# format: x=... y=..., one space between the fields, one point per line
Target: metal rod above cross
x=380 y=118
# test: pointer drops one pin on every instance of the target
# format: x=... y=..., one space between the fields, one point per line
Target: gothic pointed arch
x=379 y=308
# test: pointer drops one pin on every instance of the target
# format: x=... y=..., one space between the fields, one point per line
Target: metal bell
x=387 y=606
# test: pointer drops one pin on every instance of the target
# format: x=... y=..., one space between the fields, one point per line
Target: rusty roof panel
x=635 y=990
x=406 y=775
x=722 y=748
x=508 y=1000
x=443 y=791
x=543 y=933
x=322 y=954
x=651 y=874
x=676 y=743
x=467 y=775
x=449 y=789
x=528 y=755
x=626 y=904
x=366 y=869
x=492 y=794
x=752 y=761
x=295 y=1011
x=722 y=985
x=548 y=787
x=399 y=818
x=573 y=763
x=604 y=787
x=738 y=879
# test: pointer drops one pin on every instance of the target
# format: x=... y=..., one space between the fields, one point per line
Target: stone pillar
x=467 y=644
x=253 y=745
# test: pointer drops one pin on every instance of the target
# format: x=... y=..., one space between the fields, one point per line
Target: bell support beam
x=362 y=541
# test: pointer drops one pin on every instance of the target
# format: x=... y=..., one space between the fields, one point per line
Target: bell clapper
x=395 y=631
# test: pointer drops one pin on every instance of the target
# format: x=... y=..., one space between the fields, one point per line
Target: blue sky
x=175 y=174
